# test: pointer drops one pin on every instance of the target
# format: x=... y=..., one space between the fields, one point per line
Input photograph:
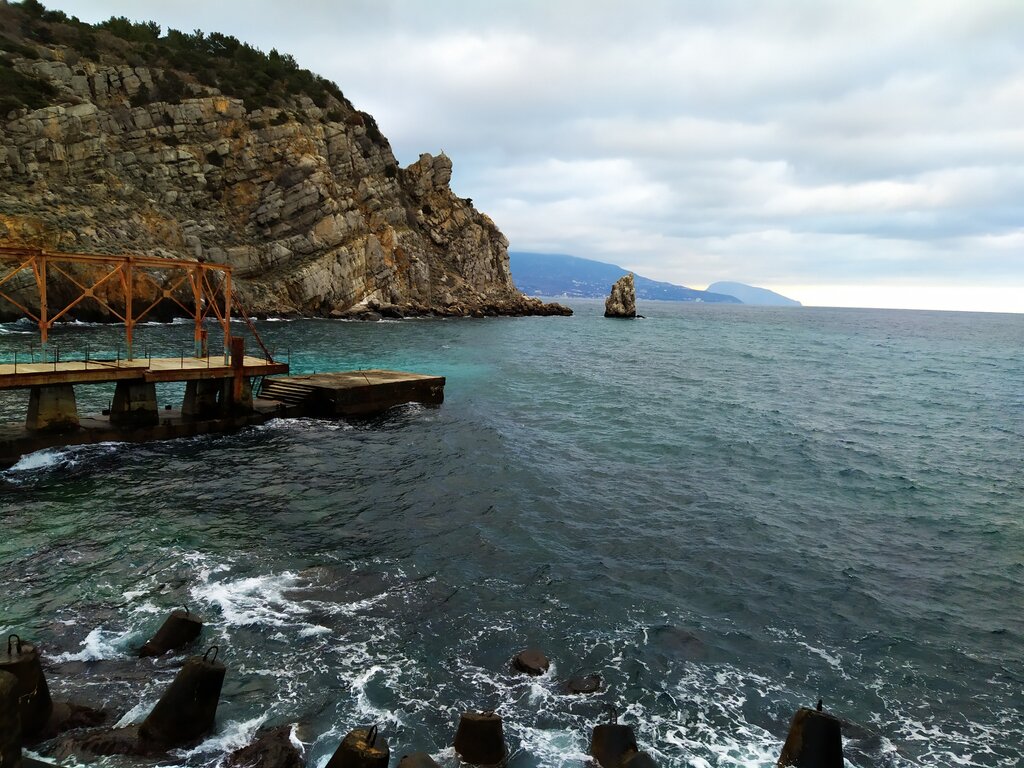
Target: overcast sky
x=848 y=153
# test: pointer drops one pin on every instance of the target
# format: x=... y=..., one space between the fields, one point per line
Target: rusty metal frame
x=210 y=285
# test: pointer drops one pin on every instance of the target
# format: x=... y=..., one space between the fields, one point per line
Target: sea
x=726 y=512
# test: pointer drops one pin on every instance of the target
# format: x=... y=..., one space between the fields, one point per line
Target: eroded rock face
x=307 y=204
x=622 y=300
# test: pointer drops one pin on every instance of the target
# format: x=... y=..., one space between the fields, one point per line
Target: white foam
x=251 y=600
x=32 y=462
x=60 y=457
x=831 y=659
x=232 y=735
x=132 y=594
x=554 y=747
x=98 y=645
x=136 y=713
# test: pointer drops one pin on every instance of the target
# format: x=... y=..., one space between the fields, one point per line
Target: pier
x=222 y=393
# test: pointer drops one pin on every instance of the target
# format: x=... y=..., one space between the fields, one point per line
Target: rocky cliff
x=304 y=200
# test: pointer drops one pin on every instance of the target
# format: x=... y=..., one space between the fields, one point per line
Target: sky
x=866 y=153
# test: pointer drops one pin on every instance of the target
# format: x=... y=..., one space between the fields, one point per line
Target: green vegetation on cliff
x=214 y=60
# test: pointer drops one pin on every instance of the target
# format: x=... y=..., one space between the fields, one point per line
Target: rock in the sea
x=532 y=661
x=585 y=684
x=271 y=749
x=622 y=300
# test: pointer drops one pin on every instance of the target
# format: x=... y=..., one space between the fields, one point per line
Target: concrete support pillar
x=202 y=400
x=10 y=722
x=244 y=404
x=52 y=409
x=135 y=405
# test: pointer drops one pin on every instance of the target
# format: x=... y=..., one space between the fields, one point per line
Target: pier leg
x=134 y=405
x=241 y=405
x=52 y=409
x=201 y=400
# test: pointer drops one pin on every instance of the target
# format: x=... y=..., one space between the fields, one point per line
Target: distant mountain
x=748 y=294
x=548 y=274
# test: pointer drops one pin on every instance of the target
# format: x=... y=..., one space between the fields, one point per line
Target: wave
x=100 y=644
x=57 y=459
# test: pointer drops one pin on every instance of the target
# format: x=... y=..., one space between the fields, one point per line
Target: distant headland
x=542 y=274
x=750 y=294
x=549 y=274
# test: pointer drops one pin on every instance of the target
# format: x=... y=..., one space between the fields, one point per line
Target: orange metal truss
x=210 y=287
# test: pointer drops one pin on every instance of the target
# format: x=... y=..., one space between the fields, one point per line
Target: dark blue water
x=726 y=512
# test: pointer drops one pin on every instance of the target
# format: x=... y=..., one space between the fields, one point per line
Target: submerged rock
x=361 y=748
x=621 y=302
x=272 y=748
x=581 y=685
x=532 y=661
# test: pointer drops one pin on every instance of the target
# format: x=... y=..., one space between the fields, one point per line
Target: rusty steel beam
x=203 y=278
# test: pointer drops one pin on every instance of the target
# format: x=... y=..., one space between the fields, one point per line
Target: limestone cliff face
x=308 y=204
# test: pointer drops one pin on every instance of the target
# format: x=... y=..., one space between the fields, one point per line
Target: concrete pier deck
x=149 y=370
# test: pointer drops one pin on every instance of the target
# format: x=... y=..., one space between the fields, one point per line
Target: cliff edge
x=107 y=147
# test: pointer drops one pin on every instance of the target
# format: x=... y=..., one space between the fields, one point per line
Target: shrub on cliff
x=18 y=91
x=216 y=60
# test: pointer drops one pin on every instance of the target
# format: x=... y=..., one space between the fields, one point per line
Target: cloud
x=792 y=142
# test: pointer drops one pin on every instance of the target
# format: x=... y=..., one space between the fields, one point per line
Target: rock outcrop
x=307 y=203
x=621 y=302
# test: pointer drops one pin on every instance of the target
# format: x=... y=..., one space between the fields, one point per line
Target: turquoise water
x=726 y=512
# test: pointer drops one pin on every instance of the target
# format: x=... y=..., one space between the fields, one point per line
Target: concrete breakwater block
x=21 y=660
x=182 y=717
x=10 y=722
x=178 y=630
x=532 y=661
x=187 y=710
x=39 y=717
x=815 y=740
x=638 y=760
x=611 y=743
x=480 y=738
x=361 y=748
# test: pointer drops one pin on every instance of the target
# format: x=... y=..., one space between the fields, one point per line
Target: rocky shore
x=305 y=200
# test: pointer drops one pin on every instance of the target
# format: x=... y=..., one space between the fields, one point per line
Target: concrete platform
x=353 y=393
